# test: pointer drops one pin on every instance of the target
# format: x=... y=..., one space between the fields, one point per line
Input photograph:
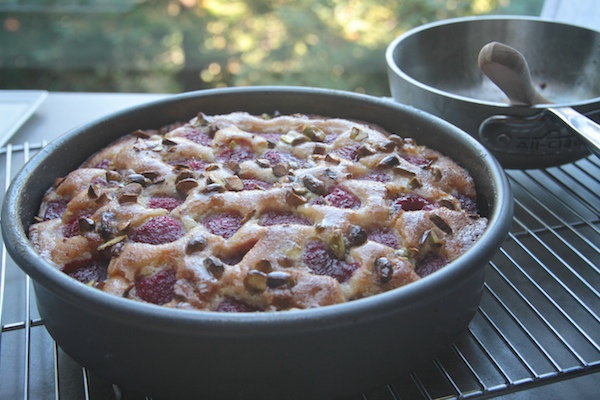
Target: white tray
x=16 y=106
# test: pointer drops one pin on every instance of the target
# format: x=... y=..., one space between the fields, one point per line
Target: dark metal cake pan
x=326 y=352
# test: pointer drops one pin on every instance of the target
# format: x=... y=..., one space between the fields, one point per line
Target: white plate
x=16 y=106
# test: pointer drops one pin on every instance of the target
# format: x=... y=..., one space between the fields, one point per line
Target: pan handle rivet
x=503 y=139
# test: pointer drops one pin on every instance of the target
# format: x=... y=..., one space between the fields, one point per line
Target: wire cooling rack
x=538 y=322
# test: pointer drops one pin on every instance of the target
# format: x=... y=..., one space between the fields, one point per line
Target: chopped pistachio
x=383 y=269
x=180 y=167
x=429 y=238
x=332 y=158
x=437 y=174
x=320 y=227
x=214 y=178
x=113 y=176
x=102 y=199
x=201 y=119
x=258 y=186
x=141 y=134
x=447 y=203
x=212 y=188
x=124 y=227
x=195 y=244
x=280 y=169
x=320 y=149
x=185 y=185
x=128 y=198
x=400 y=170
x=184 y=173
x=285 y=261
x=255 y=281
x=234 y=183
x=299 y=190
x=397 y=139
x=138 y=178
x=358 y=134
x=214 y=266
x=234 y=166
x=403 y=253
x=263 y=266
x=329 y=173
x=263 y=163
x=440 y=223
x=314 y=133
x=287 y=138
x=294 y=199
x=299 y=140
x=415 y=183
x=168 y=142
x=365 y=150
x=155 y=145
x=86 y=225
x=389 y=161
x=152 y=175
x=276 y=279
x=356 y=236
x=294 y=138
x=132 y=188
x=313 y=184
x=386 y=147
x=92 y=192
x=337 y=244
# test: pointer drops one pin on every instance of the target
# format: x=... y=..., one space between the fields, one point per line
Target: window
x=180 y=45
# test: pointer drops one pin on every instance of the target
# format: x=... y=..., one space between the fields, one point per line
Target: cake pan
x=434 y=67
x=327 y=352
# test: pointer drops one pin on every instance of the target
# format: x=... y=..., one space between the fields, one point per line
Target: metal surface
x=538 y=323
x=434 y=68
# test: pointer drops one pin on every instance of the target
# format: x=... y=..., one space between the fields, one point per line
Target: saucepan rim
x=390 y=56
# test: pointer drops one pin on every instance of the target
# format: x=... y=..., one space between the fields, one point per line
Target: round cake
x=245 y=213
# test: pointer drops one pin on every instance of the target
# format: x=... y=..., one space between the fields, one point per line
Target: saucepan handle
x=542 y=134
x=588 y=130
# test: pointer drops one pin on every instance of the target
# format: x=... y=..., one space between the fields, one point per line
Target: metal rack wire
x=538 y=322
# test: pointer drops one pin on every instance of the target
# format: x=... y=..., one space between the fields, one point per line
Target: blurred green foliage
x=180 y=45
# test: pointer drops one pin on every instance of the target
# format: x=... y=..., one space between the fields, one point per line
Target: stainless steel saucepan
x=435 y=68
x=508 y=69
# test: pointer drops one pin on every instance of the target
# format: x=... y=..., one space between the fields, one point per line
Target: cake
x=244 y=213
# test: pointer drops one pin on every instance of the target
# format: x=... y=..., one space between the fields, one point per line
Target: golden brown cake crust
x=254 y=213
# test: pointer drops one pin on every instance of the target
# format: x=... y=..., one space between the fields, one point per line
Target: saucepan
x=435 y=68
